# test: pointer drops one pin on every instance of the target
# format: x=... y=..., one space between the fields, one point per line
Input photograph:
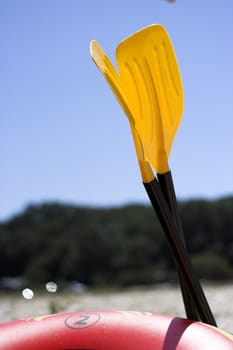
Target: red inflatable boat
x=111 y=330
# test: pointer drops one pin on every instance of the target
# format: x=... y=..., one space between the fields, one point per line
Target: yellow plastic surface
x=149 y=89
x=105 y=66
x=154 y=94
x=107 y=69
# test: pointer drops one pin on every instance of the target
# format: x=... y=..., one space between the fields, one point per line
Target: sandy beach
x=162 y=299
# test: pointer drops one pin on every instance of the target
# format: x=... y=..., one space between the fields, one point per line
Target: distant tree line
x=114 y=246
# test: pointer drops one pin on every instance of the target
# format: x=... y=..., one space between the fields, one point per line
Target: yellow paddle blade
x=148 y=67
x=107 y=69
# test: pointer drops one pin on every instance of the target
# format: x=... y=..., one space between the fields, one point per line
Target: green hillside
x=114 y=246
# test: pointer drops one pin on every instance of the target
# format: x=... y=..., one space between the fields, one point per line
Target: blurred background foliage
x=114 y=246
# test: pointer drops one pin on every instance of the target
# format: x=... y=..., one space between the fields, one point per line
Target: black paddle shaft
x=167 y=187
x=178 y=248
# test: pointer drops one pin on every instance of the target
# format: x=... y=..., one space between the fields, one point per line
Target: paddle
x=148 y=67
x=147 y=64
x=107 y=69
x=152 y=187
x=105 y=66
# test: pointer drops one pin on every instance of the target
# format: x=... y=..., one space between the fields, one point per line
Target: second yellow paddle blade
x=148 y=67
x=107 y=69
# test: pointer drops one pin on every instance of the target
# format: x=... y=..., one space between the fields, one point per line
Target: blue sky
x=63 y=136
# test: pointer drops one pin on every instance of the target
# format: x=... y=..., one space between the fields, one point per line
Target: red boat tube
x=111 y=330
